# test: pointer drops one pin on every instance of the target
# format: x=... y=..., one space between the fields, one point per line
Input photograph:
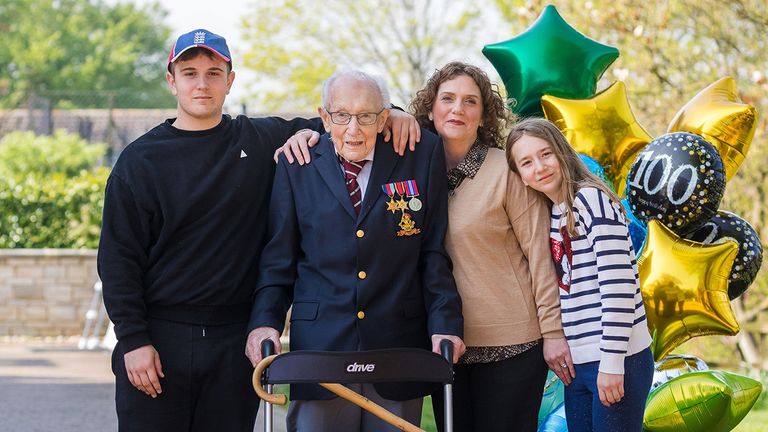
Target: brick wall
x=45 y=292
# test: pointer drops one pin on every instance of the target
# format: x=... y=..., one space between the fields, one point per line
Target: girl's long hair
x=575 y=174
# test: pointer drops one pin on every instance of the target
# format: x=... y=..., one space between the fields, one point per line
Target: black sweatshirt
x=185 y=216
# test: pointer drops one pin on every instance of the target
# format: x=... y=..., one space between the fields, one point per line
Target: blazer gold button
x=361 y=275
x=360 y=233
x=361 y=315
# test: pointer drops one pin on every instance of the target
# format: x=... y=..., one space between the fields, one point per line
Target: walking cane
x=267 y=349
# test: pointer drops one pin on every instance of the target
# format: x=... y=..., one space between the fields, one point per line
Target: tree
x=295 y=44
x=62 y=49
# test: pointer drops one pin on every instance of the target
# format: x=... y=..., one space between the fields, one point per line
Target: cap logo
x=199 y=37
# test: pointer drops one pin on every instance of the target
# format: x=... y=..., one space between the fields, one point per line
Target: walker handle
x=267 y=348
x=446 y=350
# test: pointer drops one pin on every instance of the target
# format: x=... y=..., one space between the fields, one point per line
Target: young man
x=184 y=225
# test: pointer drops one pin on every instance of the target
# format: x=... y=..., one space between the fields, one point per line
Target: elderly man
x=356 y=246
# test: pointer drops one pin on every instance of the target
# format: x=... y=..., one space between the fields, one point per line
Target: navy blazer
x=353 y=282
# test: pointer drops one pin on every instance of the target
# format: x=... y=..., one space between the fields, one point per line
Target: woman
x=602 y=308
x=497 y=239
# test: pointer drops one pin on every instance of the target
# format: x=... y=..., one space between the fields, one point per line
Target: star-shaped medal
x=392 y=205
x=401 y=204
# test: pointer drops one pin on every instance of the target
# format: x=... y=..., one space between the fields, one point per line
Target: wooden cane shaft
x=371 y=407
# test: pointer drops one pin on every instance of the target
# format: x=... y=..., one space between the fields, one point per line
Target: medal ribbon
x=389 y=189
x=413 y=190
x=400 y=187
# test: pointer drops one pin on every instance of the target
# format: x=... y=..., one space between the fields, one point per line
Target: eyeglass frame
x=356 y=116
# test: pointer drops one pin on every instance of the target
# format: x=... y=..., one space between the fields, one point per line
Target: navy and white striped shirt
x=601 y=305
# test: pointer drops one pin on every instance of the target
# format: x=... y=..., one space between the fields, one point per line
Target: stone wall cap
x=5 y=253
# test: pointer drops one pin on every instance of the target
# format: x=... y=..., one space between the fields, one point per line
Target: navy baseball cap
x=200 y=38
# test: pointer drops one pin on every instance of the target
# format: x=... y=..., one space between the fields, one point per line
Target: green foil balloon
x=549 y=58
x=707 y=401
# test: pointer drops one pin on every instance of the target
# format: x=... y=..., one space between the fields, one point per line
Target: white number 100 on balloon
x=642 y=178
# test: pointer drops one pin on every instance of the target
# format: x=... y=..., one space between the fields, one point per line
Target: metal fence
x=105 y=121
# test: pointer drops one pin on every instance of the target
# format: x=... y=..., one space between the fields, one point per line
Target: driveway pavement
x=50 y=385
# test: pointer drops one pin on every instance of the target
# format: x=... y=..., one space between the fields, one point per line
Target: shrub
x=51 y=191
x=24 y=153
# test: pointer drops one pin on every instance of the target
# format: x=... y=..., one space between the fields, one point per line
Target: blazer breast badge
x=403 y=189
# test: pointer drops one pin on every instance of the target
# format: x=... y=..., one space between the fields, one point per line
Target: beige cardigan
x=498 y=238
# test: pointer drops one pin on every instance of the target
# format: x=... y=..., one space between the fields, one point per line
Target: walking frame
x=332 y=369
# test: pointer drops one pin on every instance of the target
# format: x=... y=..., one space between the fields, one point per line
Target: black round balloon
x=723 y=226
x=678 y=179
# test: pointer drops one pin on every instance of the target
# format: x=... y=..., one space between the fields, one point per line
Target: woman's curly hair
x=496 y=116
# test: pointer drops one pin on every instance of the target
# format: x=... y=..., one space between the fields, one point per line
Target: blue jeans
x=583 y=410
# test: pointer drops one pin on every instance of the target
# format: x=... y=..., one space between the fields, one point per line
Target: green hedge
x=51 y=191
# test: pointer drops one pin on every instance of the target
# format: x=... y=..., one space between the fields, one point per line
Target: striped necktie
x=351 y=171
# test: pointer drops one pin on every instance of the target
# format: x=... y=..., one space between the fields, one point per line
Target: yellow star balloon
x=717 y=115
x=602 y=127
x=685 y=288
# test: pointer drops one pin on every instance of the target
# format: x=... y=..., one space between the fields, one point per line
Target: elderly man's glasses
x=343 y=118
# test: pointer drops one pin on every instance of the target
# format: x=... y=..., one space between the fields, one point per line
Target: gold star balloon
x=602 y=127
x=706 y=401
x=550 y=57
x=685 y=288
x=717 y=114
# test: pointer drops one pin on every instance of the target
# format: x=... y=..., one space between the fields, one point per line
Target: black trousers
x=500 y=396
x=207 y=384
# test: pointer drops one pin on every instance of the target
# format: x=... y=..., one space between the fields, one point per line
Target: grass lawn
x=755 y=421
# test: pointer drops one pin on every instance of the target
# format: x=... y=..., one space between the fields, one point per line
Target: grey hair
x=358 y=75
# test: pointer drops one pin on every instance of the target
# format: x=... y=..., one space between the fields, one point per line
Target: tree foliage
x=60 y=49
x=293 y=45
x=51 y=191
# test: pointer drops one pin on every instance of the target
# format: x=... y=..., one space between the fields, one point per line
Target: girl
x=601 y=305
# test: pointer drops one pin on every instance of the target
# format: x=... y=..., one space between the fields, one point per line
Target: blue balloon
x=555 y=421
x=597 y=169
x=553 y=396
x=638 y=231
x=637 y=228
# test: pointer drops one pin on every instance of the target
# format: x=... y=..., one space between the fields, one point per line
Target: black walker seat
x=355 y=367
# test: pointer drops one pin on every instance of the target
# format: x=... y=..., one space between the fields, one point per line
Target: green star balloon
x=550 y=57
x=707 y=401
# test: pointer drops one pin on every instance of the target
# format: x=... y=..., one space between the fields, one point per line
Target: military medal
x=407 y=225
x=412 y=191
x=389 y=189
x=400 y=188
